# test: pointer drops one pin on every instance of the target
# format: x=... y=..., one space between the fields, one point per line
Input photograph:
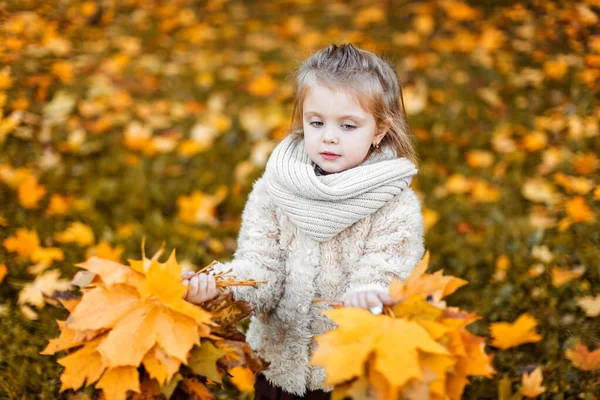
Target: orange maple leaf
x=583 y=358
x=507 y=334
x=31 y=192
x=125 y=318
x=345 y=350
x=532 y=383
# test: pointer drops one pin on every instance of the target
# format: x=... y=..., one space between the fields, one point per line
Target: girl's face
x=335 y=124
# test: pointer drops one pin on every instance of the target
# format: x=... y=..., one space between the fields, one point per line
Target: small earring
x=376 y=145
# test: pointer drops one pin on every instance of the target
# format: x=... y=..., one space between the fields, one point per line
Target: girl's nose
x=329 y=136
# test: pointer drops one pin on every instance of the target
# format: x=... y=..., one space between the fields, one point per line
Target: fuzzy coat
x=366 y=255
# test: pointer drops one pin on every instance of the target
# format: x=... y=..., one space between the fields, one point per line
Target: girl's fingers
x=194 y=286
x=372 y=299
x=385 y=298
x=361 y=300
x=212 y=285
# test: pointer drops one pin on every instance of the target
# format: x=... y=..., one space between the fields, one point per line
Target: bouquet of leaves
x=131 y=330
x=418 y=349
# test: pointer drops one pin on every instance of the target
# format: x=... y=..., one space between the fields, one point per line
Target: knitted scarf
x=324 y=205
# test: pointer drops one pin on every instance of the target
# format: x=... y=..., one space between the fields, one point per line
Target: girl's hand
x=200 y=288
x=373 y=300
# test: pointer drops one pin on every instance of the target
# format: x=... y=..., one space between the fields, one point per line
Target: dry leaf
x=583 y=358
x=506 y=335
x=560 y=276
x=532 y=383
x=31 y=192
x=45 y=284
x=243 y=378
x=24 y=243
x=3 y=272
x=77 y=233
x=591 y=305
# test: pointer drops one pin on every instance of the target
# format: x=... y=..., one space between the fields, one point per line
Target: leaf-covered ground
x=126 y=119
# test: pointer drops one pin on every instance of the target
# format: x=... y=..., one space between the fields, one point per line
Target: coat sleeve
x=394 y=246
x=258 y=255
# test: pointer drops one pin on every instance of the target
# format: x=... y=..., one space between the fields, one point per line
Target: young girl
x=332 y=216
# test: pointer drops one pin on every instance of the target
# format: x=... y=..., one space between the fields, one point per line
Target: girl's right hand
x=200 y=287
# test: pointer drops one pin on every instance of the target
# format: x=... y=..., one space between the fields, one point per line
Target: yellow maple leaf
x=370 y=15
x=31 y=192
x=45 y=284
x=63 y=70
x=203 y=360
x=59 y=205
x=200 y=208
x=84 y=364
x=3 y=272
x=105 y=251
x=46 y=255
x=160 y=365
x=115 y=382
x=437 y=285
x=508 y=335
x=262 y=86
x=479 y=158
x=582 y=358
x=344 y=351
x=457 y=183
x=460 y=11
x=25 y=243
x=560 y=276
x=591 y=305
x=555 y=69
x=77 y=233
x=532 y=383
x=6 y=81
x=578 y=210
x=243 y=378
x=585 y=163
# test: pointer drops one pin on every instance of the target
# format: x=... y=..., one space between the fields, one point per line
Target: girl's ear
x=382 y=130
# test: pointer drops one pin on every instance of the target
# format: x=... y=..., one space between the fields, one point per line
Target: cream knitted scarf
x=324 y=205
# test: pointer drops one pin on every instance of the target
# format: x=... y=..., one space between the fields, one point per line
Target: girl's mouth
x=330 y=156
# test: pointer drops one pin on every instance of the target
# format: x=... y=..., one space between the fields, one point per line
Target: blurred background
x=128 y=119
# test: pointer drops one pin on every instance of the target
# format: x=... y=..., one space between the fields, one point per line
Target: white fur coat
x=298 y=269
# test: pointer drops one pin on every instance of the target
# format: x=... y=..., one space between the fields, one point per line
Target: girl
x=332 y=216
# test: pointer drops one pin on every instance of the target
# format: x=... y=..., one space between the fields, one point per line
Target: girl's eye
x=349 y=127
x=315 y=122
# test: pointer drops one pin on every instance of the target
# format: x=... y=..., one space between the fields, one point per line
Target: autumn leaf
x=31 y=192
x=3 y=272
x=84 y=365
x=560 y=276
x=105 y=251
x=532 y=383
x=242 y=378
x=591 y=305
x=115 y=382
x=203 y=360
x=200 y=208
x=160 y=365
x=506 y=335
x=132 y=317
x=45 y=284
x=24 y=242
x=77 y=233
x=583 y=358
x=344 y=351
x=196 y=389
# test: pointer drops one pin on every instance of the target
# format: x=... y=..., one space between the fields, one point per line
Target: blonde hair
x=371 y=81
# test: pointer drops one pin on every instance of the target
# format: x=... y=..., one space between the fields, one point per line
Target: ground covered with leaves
x=131 y=119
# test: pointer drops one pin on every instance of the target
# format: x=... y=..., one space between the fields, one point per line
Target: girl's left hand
x=367 y=299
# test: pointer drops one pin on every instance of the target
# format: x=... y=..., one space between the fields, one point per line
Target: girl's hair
x=371 y=81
